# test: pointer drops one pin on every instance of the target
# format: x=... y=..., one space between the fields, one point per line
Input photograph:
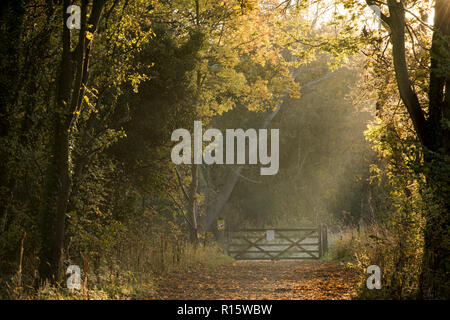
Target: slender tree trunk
x=53 y=212
x=73 y=70
x=192 y=205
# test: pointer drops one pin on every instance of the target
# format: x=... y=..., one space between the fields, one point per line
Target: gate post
x=319 y=233
x=324 y=238
x=227 y=241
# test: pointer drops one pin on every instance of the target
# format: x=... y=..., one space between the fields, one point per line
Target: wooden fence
x=275 y=244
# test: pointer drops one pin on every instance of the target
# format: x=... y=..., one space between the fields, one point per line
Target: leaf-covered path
x=284 y=279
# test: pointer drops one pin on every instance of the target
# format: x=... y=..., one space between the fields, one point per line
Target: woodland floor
x=248 y=280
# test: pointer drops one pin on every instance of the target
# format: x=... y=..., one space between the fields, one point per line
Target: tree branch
x=407 y=93
x=181 y=185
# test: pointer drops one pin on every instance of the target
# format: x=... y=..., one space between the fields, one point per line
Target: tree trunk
x=435 y=277
x=57 y=188
x=434 y=136
x=72 y=77
x=192 y=205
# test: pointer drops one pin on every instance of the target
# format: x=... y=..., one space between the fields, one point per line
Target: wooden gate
x=274 y=244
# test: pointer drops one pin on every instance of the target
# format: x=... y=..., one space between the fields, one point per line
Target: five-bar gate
x=275 y=244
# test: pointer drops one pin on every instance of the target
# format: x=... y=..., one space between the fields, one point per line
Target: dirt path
x=284 y=279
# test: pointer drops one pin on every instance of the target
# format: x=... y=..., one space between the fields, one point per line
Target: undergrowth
x=120 y=279
x=396 y=250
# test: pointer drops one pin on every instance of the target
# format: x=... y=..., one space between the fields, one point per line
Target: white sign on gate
x=270 y=235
